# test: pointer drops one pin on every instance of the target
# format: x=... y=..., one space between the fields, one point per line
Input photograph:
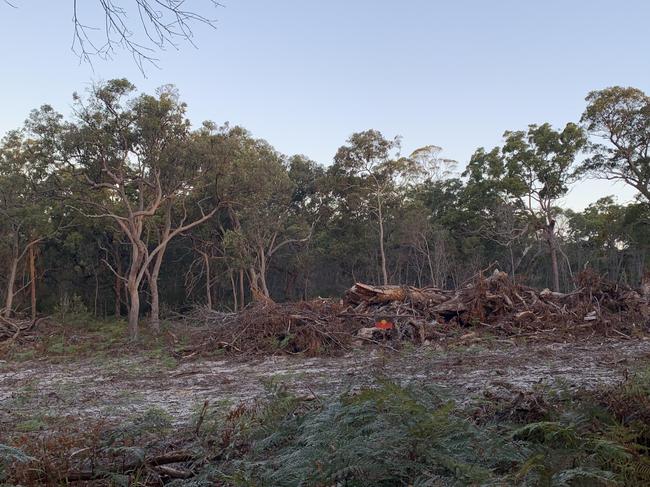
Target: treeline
x=124 y=209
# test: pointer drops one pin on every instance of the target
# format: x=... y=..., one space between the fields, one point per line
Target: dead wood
x=383 y=314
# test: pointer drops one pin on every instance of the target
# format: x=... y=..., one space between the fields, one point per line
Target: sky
x=305 y=74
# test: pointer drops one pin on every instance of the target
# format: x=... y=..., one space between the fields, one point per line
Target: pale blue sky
x=306 y=74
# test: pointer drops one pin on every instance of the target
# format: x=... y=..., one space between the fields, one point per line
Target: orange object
x=384 y=325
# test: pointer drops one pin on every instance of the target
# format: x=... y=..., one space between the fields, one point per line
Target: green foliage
x=295 y=228
x=30 y=425
x=10 y=455
x=394 y=435
x=154 y=422
x=384 y=436
x=619 y=118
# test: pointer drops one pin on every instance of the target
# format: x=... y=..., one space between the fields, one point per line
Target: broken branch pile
x=313 y=327
x=13 y=330
x=491 y=304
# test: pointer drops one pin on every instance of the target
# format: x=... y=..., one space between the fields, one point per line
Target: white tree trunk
x=11 y=279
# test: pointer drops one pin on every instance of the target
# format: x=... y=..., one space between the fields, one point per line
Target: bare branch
x=162 y=23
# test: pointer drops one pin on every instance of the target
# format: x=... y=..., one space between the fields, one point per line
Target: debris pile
x=13 y=330
x=497 y=304
x=390 y=314
x=314 y=327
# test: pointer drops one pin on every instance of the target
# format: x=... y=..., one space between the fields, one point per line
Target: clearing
x=121 y=386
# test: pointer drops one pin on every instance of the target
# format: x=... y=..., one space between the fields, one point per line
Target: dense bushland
x=125 y=208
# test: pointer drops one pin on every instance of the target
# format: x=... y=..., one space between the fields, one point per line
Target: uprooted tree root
x=493 y=305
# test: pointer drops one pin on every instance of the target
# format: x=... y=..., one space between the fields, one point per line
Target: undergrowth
x=82 y=335
x=389 y=435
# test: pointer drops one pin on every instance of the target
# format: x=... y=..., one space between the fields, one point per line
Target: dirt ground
x=119 y=387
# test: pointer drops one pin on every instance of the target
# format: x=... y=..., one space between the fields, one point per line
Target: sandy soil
x=117 y=388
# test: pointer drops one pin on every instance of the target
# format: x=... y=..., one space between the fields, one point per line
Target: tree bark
x=118 y=284
x=134 y=312
x=552 y=246
x=133 y=286
x=234 y=290
x=645 y=286
x=262 y=274
x=382 y=251
x=32 y=282
x=96 y=293
x=365 y=293
x=555 y=268
x=11 y=279
x=153 y=287
x=208 y=291
x=242 y=296
x=154 y=322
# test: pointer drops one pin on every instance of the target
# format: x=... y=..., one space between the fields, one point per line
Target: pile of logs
x=498 y=304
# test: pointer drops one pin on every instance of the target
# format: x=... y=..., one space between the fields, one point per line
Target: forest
x=184 y=305
x=125 y=208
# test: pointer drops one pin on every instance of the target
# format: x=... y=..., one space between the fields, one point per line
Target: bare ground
x=119 y=387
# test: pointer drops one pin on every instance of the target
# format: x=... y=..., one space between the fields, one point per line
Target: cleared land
x=118 y=387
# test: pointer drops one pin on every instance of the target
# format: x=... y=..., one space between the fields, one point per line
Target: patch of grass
x=22 y=396
x=57 y=345
x=31 y=425
x=67 y=391
x=24 y=356
x=163 y=357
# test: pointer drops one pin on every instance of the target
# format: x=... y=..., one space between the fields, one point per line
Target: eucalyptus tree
x=369 y=176
x=132 y=152
x=257 y=192
x=533 y=171
x=619 y=118
x=364 y=173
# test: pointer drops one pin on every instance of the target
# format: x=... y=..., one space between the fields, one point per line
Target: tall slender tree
x=533 y=170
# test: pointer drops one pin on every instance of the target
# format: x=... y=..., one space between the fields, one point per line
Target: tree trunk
x=382 y=251
x=555 y=269
x=234 y=290
x=118 y=296
x=96 y=292
x=645 y=286
x=242 y=296
x=365 y=293
x=32 y=282
x=262 y=274
x=155 y=296
x=9 y=300
x=118 y=285
x=208 y=293
x=552 y=245
x=134 y=311
x=133 y=287
x=154 y=323
x=253 y=285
